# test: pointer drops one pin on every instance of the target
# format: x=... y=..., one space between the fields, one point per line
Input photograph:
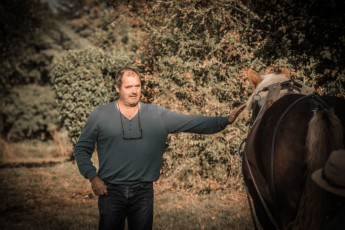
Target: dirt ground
x=55 y=196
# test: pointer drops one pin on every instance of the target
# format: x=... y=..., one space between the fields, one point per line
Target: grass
x=58 y=197
x=46 y=198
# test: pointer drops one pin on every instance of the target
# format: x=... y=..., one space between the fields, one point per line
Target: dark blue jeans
x=134 y=202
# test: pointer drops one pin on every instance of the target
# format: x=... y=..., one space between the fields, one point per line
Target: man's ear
x=117 y=89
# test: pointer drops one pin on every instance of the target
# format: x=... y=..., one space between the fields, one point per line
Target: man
x=130 y=138
x=332 y=179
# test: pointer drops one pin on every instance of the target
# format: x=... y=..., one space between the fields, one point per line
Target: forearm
x=196 y=124
x=85 y=147
x=83 y=159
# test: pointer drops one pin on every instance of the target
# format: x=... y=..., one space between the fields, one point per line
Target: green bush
x=196 y=50
x=83 y=79
x=307 y=35
x=22 y=60
x=32 y=36
x=27 y=101
x=195 y=55
x=29 y=112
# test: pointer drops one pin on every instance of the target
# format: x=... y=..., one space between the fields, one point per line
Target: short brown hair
x=120 y=73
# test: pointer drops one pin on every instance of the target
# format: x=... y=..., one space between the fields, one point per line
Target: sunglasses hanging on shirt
x=129 y=132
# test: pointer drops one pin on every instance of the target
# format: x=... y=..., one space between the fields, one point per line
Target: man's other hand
x=98 y=186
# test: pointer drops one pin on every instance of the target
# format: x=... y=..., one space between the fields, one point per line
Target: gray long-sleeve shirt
x=124 y=161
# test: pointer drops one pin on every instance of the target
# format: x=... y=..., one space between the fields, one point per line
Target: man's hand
x=98 y=186
x=234 y=113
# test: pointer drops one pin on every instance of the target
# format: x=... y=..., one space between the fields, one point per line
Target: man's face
x=130 y=90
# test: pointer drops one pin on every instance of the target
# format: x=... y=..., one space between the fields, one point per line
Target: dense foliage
x=29 y=113
x=195 y=56
x=192 y=54
x=309 y=35
x=82 y=80
x=27 y=101
x=31 y=36
x=196 y=50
